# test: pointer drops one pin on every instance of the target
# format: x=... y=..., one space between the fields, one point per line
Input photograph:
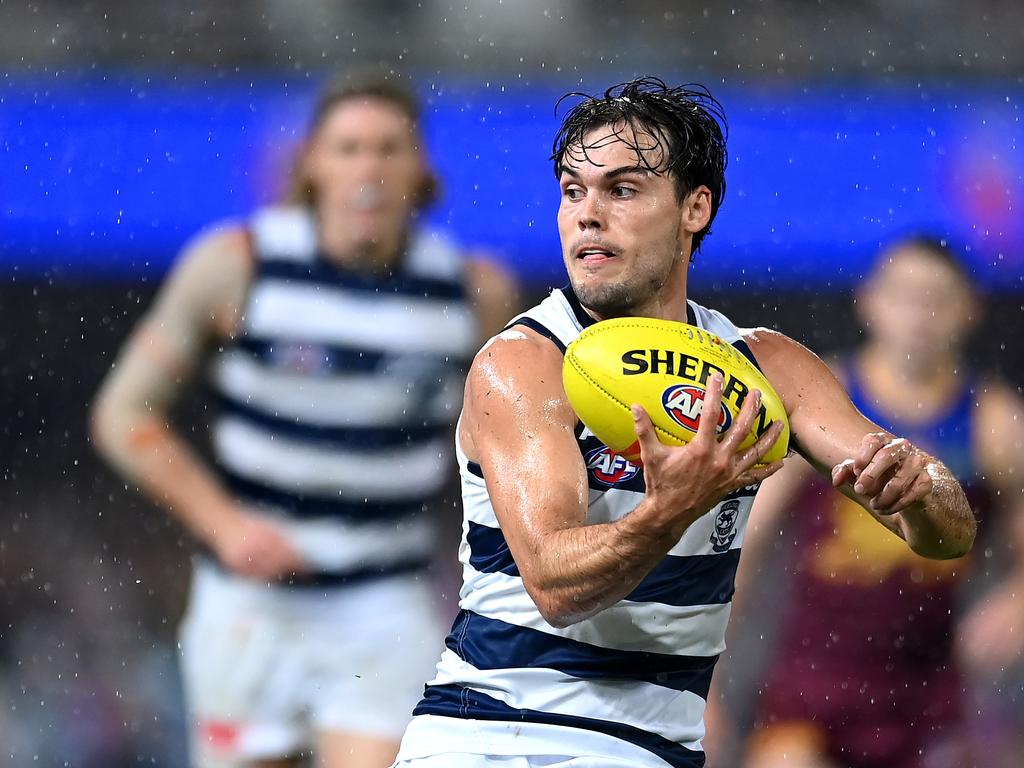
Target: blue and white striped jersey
x=630 y=682
x=337 y=399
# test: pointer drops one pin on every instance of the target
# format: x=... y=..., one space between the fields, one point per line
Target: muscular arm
x=518 y=425
x=908 y=491
x=198 y=306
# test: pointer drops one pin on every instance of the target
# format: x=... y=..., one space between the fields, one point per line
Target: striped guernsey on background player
x=330 y=418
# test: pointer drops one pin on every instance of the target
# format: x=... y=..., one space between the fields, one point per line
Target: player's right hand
x=252 y=546
x=692 y=478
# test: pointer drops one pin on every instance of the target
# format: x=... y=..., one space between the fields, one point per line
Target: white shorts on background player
x=265 y=669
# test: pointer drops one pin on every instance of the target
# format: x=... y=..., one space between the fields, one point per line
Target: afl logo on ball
x=609 y=468
x=684 y=403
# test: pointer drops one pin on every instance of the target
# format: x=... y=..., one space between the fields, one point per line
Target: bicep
x=199 y=303
x=825 y=425
x=521 y=429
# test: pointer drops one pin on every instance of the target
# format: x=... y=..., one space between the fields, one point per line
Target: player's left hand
x=890 y=473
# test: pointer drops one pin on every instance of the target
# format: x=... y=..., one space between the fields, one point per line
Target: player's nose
x=590 y=214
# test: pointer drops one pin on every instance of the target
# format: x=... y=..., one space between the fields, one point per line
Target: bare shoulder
x=221 y=255
x=210 y=280
x=518 y=365
x=514 y=386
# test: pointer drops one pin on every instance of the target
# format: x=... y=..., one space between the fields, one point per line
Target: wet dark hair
x=362 y=85
x=937 y=247
x=686 y=122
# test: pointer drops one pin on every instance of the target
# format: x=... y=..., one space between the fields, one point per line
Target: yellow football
x=664 y=366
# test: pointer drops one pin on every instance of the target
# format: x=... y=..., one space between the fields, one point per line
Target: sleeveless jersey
x=869 y=626
x=338 y=397
x=631 y=680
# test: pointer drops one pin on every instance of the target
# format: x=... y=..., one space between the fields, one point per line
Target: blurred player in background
x=336 y=333
x=865 y=674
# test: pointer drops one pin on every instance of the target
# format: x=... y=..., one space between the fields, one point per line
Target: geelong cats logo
x=725 y=526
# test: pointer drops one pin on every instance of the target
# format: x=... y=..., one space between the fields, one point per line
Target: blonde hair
x=360 y=85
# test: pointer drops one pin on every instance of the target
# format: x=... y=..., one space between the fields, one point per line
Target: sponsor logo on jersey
x=725 y=526
x=685 y=403
x=609 y=468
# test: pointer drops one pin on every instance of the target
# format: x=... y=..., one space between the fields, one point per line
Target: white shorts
x=433 y=741
x=465 y=760
x=265 y=668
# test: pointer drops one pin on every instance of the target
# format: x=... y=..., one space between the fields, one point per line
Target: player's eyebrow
x=615 y=173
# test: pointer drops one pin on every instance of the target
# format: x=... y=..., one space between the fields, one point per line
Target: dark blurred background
x=127 y=127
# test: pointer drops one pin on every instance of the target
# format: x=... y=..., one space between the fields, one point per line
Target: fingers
x=760 y=448
x=758 y=473
x=843 y=473
x=744 y=421
x=889 y=472
x=870 y=445
x=886 y=459
x=650 y=445
x=920 y=488
x=709 y=412
x=905 y=477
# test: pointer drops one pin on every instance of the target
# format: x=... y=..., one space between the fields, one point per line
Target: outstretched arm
x=516 y=416
x=907 y=490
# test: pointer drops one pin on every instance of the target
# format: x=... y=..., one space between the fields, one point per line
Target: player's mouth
x=368 y=200
x=594 y=255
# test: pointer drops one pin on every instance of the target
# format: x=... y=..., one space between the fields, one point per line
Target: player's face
x=625 y=236
x=917 y=306
x=365 y=164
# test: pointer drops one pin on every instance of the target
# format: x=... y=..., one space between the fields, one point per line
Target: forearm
x=147 y=452
x=579 y=571
x=942 y=525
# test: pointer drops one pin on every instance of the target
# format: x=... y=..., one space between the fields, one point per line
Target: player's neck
x=907 y=387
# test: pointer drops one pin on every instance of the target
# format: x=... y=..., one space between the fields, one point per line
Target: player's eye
x=347 y=148
x=622 y=192
x=573 y=193
x=389 y=149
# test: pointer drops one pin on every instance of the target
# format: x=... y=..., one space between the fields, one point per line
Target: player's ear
x=696 y=209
